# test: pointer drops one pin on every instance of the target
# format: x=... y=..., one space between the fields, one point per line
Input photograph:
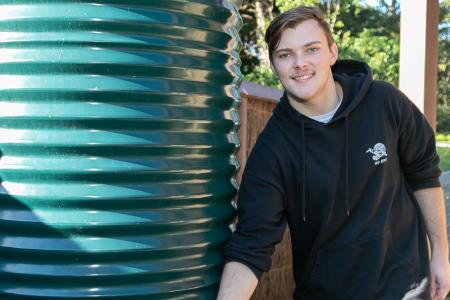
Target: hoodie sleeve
x=417 y=148
x=261 y=222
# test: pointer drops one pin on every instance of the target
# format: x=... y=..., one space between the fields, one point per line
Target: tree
x=443 y=103
x=256 y=15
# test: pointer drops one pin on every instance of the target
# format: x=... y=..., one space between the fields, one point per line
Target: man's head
x=302 y=52
x=291 y=19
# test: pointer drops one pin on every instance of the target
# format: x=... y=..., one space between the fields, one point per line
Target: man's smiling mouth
x=302 y=77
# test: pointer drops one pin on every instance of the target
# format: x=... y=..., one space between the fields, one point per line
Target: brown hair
x=291 y=19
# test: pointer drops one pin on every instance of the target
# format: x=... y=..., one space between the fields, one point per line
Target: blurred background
x=367 y=30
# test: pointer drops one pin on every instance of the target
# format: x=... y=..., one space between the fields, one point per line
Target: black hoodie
x=345 y=189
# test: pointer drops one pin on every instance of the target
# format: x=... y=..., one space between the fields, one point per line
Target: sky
x=372 y=2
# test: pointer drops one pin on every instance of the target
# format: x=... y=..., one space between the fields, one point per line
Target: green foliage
x=380 y=52
x=284 y=5
x=444 y=155
x=263 y=76
x=443 y=103
x=443 y=116
x=441 y=137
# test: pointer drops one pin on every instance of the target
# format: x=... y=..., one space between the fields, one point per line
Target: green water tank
x=117 y=147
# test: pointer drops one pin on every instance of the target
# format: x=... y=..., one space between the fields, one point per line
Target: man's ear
x=334 y=54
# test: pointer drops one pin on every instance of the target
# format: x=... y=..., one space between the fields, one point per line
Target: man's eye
x=284 y=55
x=312 y=49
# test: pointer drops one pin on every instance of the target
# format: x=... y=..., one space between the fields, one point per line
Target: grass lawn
x=444 y=154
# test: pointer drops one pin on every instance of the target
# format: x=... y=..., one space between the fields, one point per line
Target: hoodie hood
x=355 y=78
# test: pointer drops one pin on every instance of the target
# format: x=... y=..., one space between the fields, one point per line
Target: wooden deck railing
x=256 y=108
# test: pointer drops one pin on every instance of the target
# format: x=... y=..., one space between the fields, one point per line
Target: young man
x=350 y=165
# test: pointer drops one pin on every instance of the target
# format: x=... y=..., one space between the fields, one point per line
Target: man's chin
x=297 y=98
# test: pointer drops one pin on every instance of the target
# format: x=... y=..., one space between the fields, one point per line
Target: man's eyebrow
x=304 y=46
x=311 y=43
x=283 y=50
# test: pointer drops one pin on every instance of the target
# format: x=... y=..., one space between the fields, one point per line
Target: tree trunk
x=334 y=16
x=260 y=9
x=391 y=7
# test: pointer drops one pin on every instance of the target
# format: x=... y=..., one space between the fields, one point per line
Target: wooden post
x=242 y=133
x=419 y=54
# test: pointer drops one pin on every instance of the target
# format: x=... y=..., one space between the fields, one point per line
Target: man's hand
x=440 y=278
x=432 y=205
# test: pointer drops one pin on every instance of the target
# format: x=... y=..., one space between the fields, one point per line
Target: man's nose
x=299 y=61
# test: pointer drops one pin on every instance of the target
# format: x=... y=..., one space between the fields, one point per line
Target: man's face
x=303 y=61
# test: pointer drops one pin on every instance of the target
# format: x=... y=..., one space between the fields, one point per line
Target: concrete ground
x=443 y=144
x=445 y=181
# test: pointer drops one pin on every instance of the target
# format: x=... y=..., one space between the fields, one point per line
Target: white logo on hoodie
x=378 y=151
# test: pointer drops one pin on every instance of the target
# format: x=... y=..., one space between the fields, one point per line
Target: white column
x=418 y=54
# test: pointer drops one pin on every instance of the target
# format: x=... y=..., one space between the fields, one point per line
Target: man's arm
x=431 y=202
x=238 y=282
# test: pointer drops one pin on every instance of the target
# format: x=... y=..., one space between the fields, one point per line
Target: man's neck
x=327 y=103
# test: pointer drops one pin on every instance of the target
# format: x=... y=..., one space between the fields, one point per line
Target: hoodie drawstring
x=347 y=206
x=303 y=173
